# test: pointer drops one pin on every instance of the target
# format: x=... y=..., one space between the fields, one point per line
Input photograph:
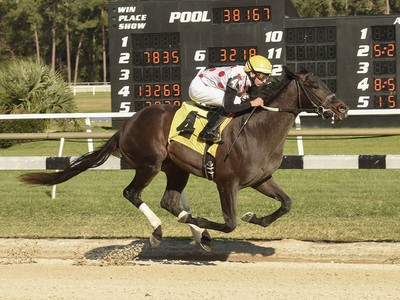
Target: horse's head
x=313 y=93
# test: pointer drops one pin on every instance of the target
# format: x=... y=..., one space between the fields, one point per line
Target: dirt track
x=122 y=269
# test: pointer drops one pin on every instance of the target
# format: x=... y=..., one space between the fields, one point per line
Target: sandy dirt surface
x=126 y=269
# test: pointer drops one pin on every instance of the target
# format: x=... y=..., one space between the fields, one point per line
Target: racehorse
x=255 y=153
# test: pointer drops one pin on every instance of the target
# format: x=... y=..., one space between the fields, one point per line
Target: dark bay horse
x=256 y=154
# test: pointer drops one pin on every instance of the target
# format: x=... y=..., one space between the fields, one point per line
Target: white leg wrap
x=182 y=215
x=196 y=233
x=154 y=220
x=196 y=230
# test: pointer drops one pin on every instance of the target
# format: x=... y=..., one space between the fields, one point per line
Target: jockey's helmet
x=258 y=64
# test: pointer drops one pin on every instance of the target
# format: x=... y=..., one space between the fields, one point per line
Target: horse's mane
x=271 y=89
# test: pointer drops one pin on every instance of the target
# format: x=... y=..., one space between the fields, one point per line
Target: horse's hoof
x=154 y=242
x=205 y=247
x=247 y=216
x=156 y=237
x=196 y=233
x=205 y=242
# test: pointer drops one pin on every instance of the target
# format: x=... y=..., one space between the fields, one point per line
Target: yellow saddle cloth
x=191 y=140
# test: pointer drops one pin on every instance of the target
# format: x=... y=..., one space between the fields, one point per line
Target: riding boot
x=211 y=132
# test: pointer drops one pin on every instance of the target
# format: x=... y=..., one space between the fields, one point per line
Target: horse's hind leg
x=200 y=235
x=271 y=189
x=196 y=231
x=228 y=197
x=144 y=175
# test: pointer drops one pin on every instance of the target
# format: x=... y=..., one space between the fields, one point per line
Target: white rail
x=92 y=87
x=355 y=112
x=66 y=116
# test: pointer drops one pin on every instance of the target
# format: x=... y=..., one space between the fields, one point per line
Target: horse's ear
x=289 y=72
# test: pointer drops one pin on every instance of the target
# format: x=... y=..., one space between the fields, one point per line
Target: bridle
x=313 y=99
x=318 y=107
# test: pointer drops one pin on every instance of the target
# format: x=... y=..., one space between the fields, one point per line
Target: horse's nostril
x=343 y=109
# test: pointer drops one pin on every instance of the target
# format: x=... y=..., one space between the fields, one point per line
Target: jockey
x=228 y=87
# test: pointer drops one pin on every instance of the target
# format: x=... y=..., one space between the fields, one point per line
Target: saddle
x=186 y=125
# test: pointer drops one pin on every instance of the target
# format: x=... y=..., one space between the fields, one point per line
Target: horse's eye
x=313 y=84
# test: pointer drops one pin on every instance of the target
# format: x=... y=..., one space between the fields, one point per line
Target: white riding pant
x=200 y=92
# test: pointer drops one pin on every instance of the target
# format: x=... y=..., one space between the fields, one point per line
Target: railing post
x=300 y=147
x=89 y=129
x=60 y=151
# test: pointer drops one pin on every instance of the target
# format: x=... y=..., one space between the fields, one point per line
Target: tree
x=317 y=8
x=314 y=8
x=86 y=27
x=15 y=29
x=366 y=7
x=5 y=48
x=29 y=87
x=30 y=12
x=103 y=23
x=53 y=13
x=394 y=6
x=68 y=15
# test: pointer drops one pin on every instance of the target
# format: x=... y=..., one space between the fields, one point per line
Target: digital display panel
x=382 y=67
x=385 y=101
x=313 y=49
x=157 y=48
x=383 y=40
x=229 y=15
x=384 y=50
x=156 y=69
x=218 y=56
x=383 y=33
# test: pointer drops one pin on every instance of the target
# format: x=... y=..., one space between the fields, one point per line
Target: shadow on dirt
x=179 y=249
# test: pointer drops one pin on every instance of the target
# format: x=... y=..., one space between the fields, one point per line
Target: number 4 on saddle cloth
x=188 y=122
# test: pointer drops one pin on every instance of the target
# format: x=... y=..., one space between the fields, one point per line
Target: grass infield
x=335 y=205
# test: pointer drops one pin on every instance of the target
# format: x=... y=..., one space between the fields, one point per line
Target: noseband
x=316 y=102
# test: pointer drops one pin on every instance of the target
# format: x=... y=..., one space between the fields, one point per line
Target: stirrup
x=209 y=136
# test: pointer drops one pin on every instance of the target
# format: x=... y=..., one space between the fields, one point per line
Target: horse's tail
x=79 y=165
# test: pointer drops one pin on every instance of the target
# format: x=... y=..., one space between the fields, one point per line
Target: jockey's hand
x=257 y=102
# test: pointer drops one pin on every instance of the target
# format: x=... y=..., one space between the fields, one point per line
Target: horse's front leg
x=271 y=189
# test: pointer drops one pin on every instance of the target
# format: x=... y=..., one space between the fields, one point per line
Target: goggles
x=262 y=76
